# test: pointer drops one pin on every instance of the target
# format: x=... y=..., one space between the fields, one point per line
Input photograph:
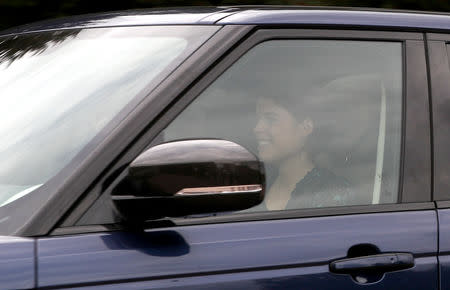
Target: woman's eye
x=271 y=119
x=267 y=119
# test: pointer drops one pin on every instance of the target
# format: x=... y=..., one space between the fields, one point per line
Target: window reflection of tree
x=14 y=47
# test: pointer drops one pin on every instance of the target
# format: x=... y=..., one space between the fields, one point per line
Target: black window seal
x=438 y=37
x=441 y=204
x=250 y=217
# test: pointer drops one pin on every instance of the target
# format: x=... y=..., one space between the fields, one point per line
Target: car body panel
x=296 y=252
x=444 y=228
x=290 y=278
x=17 y=263
x=444 y=247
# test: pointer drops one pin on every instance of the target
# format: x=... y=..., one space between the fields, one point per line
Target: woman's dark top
x=318 y=188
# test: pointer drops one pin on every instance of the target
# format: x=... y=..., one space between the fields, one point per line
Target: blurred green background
x=16 y=12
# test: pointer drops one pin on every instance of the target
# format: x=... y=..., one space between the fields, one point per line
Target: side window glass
x=441 y=123
x=323 y=115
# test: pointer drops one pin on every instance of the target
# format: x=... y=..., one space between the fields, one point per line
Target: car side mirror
x=190 y=177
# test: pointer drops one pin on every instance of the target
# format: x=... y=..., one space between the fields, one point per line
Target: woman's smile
x=277 y=131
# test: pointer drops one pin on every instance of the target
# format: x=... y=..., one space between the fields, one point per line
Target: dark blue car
x=226 y=148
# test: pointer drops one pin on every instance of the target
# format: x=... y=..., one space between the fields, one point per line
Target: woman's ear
x=307 y=126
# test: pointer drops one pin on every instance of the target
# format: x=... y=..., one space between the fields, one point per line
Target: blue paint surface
x=17 y=263
x=289 y=251
x=444 y=247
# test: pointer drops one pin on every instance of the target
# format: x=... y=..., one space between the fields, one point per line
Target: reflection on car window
x=62 y=92
x=324 y=116
x=59 y=89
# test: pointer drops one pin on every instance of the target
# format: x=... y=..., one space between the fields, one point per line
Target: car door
x=438 y=47
x=365 y=92
x=18 y=263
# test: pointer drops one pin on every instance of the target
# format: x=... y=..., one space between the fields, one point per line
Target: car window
x=323 y=115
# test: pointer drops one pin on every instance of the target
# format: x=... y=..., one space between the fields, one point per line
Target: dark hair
x=342 y=111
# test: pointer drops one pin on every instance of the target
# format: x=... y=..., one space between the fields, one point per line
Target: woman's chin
x=266 y=156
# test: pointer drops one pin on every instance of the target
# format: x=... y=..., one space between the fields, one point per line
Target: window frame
x=438 y=48
x=414 y=192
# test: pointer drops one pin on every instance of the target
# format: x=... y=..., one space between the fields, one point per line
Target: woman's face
x=278 y=132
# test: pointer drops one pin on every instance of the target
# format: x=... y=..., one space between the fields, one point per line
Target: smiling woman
x=283 y=137
x=281 y=141
x=59 y=90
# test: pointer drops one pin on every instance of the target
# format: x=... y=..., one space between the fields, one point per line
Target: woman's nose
x=260 y=126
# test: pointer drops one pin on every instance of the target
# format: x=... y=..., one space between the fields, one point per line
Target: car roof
x=341 y=16
x=241 y=15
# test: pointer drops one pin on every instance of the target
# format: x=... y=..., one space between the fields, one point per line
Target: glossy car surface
x=62 y=230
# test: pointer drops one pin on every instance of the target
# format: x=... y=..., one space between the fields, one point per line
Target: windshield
x=59 y=89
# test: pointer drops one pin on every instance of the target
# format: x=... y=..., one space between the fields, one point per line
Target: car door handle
x=377 y=263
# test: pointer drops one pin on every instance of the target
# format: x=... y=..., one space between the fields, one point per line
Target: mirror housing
x=190 y=177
